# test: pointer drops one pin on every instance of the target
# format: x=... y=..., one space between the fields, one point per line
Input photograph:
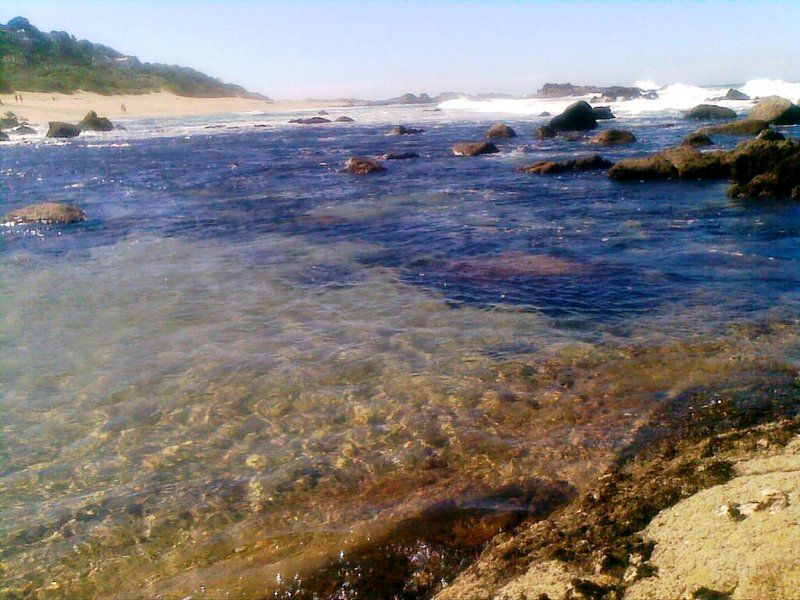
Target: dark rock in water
x=732 y=95
x=91 y=122
x=545 y=132
x=344 y=119
x=765 y=169
x=48 y=212
x=9 y=119
x=548 y=167
x=3 y=137
x=770 y=135
x=710 y=111
x=474 y=148
x=500 y=131
x=613 y=137
x=322 y=112
x=698 y=138
x=311 y=121
x=391 y=155
x=738 y=127
x=24 y=130
x=647 y=168
x=363 y=166
x=776 y=111
x=576 y=117
x=612 y=93
x=403 y=130
x=602 y=113
x=432 y=110
x=62 y=130
x=574 y=136
x=544 y=114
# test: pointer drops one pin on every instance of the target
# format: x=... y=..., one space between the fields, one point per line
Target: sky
x=377 y=49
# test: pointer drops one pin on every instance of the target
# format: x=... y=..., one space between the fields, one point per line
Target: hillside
x=34 y=61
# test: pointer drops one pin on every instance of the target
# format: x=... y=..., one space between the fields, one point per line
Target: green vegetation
x=31 y=60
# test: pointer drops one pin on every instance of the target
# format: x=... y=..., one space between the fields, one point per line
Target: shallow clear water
x=246 y=362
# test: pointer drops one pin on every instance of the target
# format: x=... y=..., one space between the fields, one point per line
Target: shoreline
x=39 y=108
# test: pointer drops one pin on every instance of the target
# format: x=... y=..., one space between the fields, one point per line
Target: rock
x=344 y=119
x=323 y=112
x=3 y=137
x=613 y=137
x=48 y=212
x=576 y=117
x=91 y=122
x=403 y=130
x=9 y=119
x=776 y=110
x=603 y=113
x=698 y=138
x=739 y=127
x=62 y=130
x=693 y=164
x=474 y=148
x=545 y=132
x=500 y=131
x=648 y=168
x=392 y=155
x=765 y=169
x=311 y=121
x=732 y=95
x=24 y=130
x=544 y=114
x=710 y=111
x=586 y=163
x=770 y=135
x=363 y=166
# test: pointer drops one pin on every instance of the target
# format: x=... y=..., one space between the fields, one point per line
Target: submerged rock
x=474 y=148
x=544 y=132
x=396 y=155
x=602 y=113
x=311 y=121
x=776 y=110
x=613 y=137
x=403 y=130
x=739 y=127
x=91 y=122
x=549 y=167
x=698 y=138
x=362 y=166
x=500 y=131
x=62 y=130
x=710 y=111
x=47 y=212
x=344 y=119
x=576 y=117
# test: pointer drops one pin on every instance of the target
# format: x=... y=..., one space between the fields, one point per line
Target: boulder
x=738 y=127
x=91 y=122
x=363 y=166
x=693 y=164
x=344 y=119
x=602 y=113
x=648 y=168
x=474 y=148
x=770 y=135
x=544 y=114
x=396 y=155
x=403 y=130
x=613 y=137
x=776 y=110
x=3 y=137
x=62 y=130
x=576 y=117
x=24 y=130
x=311 y=121
x=47 y=212
x=8 y=120
x=549 y=167
x=500 y=131
x=710 y=111
x=545 y=132
x=732 y=95
x=698 y=138
x=765 y=169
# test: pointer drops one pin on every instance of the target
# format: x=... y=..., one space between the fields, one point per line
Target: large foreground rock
x=501 y=131
x=710 y=111
x=63 y=130
x=91 y=122
x=777 y=111
x=47 y=212
x=363 y=166
x=474 y=148
x=765 y=169
x=613 y=137
x=550 y=167
x=576 y=117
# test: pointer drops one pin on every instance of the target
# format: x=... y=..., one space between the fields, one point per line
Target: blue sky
x=372 y=49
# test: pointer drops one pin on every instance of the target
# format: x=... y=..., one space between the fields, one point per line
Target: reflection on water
x=275 y=378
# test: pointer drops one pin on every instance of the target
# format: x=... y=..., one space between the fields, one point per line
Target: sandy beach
x=40 y=108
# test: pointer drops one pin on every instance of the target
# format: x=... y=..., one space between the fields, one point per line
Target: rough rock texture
x=602 y=113
x=91 y=122
x=776 y=110
x=770 y=135
x=544 y=132
x=646 y=168
x=550 y=167
x=739 y=127
x=765 y=169
x=710 y=111
x=62 y=130
x=311 y=121
x=363 y=166
x=403 y=130
x=576 y=117
x=613 y=137
x=474 y=148
x=698 y=138
x=682 y=162
x=398 y=155
x=47 y=212
x=500 y=131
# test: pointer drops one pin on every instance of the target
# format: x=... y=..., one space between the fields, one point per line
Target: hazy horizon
x=376 y=50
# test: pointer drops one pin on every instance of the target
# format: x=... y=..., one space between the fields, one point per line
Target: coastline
x=39 y=108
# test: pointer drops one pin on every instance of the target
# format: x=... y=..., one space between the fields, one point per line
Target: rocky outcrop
x=613 y=137
x=732 y=94
x=396 y=155
x=47 y=212
x=576 y=117
x=474 y=148
x=710 y=111
x=611 y=93
x=776 y=111
x=403 y=130
x=765 y=169
x=698 y=138
x=311 y=121
x=549 y=167
x=363 y=166
x=500 y=131
x=682 y=162
x=62 y=130
x=91 y=122
x=739 y=127
x=602 y=113
x=645 y=168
